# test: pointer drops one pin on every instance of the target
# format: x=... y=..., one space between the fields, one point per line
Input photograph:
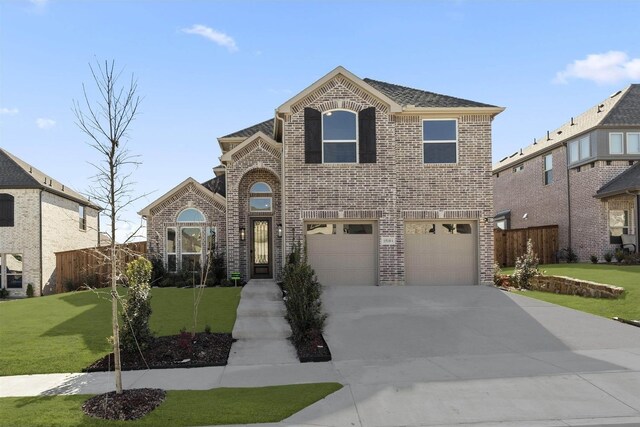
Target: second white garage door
x=343 y=254
x=441 y=253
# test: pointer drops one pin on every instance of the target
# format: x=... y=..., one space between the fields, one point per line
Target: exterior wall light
x=279 y=230
x=243 y=234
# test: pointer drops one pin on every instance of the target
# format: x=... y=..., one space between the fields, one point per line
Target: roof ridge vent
x=616 y=94
x=572 y=122
x=600 y=108
x=548 y=137
x=534 y=141
x=30 y=169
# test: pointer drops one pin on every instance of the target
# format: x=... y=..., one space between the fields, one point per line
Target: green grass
x=180 y=408
x=67 y=332
x=627 y=307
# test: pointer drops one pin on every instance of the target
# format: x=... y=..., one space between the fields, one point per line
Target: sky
x=208 y=68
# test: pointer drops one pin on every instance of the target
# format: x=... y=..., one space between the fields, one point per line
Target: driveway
x=418 y=356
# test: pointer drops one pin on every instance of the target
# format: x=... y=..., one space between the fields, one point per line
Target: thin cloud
x=39 y=2
x=602 y=68
x=44 y=123
x=9 y=111
x=215 y=36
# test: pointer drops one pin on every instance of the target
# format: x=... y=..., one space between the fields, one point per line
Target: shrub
x=4 y=293
x=568 y=255
x=303 y=304
x=166 y=282
x=631 y=259
x=526 y=267
x=619 y=255
x=207 y=329
x=69 y=286
x=497 y=274
x=134 y=331
x=158 y=272
x=29 y=290
x=608 y=256
x=594 y=259
x=226 y=283
x=218 y=268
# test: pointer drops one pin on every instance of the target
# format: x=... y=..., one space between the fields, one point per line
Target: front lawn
x=67 y=332
x=627 y=307
x=181 y=408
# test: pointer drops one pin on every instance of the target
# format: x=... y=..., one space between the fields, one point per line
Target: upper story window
x=260 y=187
x=6 y=210
x=548 y=169
x=440 y=141
x=633 y=142
x=339 y=137
x=191 y=215
x=518 y=168
x=580 y=149
x=616 y=145
x=82 y=217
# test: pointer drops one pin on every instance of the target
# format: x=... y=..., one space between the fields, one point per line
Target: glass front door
x=261 y=248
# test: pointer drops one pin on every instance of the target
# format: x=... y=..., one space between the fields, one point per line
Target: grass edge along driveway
x=180 y=408
x=627 y=276
x=66 y=332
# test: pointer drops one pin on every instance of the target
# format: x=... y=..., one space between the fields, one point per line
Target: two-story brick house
x=38 y=216
x=583 y=177
x=384 y=184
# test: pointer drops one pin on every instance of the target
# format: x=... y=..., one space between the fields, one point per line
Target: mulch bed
x=129 y=405
x=175 y=351
x=313 y=349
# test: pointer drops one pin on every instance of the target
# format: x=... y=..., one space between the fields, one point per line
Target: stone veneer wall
x=569 y=286
x=398 y=187
x=165 y=215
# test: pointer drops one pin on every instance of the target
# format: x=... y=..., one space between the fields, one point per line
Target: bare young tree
x=105 y=121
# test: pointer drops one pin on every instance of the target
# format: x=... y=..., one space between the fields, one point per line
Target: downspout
x=226 y=214
x=283 y=202
x=566 y=156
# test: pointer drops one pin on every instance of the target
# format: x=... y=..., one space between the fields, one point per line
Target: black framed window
x=6 y=210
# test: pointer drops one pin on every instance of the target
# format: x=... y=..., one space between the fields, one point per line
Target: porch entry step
x=262 y=352
x=261 y=327
x=261 y=330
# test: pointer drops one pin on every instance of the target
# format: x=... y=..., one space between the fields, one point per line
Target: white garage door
x=343 y=254
x=441 y=253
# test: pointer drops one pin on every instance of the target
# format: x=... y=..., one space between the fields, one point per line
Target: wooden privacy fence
x=91 y=266
x=510 y=244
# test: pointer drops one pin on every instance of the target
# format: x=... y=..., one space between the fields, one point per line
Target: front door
x=261 y=248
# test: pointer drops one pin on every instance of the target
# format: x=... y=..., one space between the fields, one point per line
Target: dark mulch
x=174 y=351
x=129 y=405
x=313 y=349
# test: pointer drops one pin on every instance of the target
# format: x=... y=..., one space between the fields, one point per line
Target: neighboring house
x=38 y=216
x=384 y=184
x=583 y=176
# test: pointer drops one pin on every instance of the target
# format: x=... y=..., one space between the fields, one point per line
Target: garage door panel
x=441 y=253
x=344 y=259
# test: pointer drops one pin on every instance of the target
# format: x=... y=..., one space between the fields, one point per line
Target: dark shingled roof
x=217 y=185
x=265 y=127
x=421 y=98
x=627 y=110
x=628 y=180
x=16 y=173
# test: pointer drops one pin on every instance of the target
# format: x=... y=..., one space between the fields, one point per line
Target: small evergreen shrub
x=218 y=268
x=29 y=290
x=569 y=255
x=135 y=330
x=526 y=267
x=207 y=329
x=4 y=293
x=158 y=272
x=303 y=303
x=619 y=255
x=69 y=286
x=594 y=259
x=608 y=256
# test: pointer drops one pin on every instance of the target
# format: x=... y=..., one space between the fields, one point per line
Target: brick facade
x=44 y=223
x=398 y=187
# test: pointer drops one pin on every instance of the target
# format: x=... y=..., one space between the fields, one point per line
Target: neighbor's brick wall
x=24 y=237
x=165 y=215
x=61 y=232
x=570 y=286
x=397 y=183
x=524 y=192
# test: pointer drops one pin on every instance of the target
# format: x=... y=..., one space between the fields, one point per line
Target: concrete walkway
x=261 y=329
x=433 y=357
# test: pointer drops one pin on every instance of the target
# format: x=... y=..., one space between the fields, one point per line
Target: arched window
x=260 y=187
x=6 y=210
x=339 y=136
x=191 y=215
